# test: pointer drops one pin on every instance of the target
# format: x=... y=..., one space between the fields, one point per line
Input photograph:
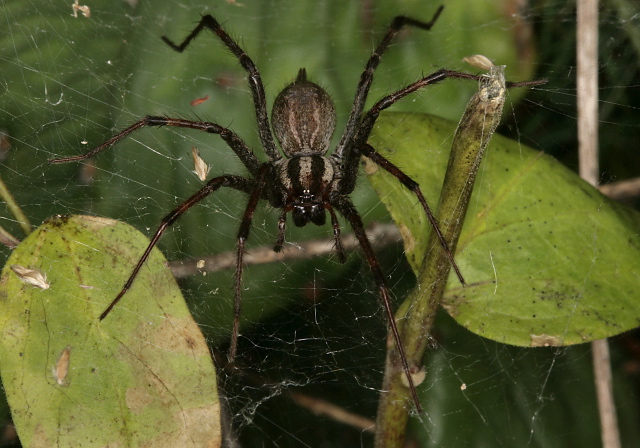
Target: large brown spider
x=301 y=178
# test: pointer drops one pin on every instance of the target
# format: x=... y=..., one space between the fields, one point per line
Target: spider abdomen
x=303 y=118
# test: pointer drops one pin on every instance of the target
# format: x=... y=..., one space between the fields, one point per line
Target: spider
x=301 y=178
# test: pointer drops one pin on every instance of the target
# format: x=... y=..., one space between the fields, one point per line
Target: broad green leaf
x=141 y=377
x=548 y=259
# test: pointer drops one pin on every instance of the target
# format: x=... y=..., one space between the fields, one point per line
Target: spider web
x=313 y=330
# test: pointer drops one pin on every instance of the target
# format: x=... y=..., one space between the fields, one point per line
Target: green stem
x=416 y=315
x=14 y=208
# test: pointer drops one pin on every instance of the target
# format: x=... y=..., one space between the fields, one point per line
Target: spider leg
x=231 y=138
x=367 y=77
x=243 y=234
x=350 y=161
x=282 y=225
x=255 y=81
x=236 y=182
x=412 y=185
x=348 y=210
x=336 y=235
x=351 y=158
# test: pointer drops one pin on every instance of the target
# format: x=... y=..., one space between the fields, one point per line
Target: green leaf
x=141 y=377
x=548 y=259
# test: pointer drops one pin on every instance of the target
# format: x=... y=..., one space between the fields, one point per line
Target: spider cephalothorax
x=302 y=179
x=303 y=121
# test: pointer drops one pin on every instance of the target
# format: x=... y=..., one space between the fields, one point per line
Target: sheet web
x=313 y=330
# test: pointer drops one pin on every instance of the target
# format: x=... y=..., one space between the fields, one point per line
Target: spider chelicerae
x=301 y=178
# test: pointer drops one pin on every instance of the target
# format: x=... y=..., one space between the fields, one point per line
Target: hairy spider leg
x=231 y=139
x=243 y=234
x=339 y=247
x=336 y=235
x=236 y=182
x=348 y=210
x=282 y=226
x=368 y=151
x=369 y=119
x=255 y=81
x=362 y=148
x=345 y=144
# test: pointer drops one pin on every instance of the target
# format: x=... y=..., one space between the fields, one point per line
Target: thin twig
x=623 y=190
x=587 y=86
x=380 y=234
x=7 y=239
x=14 y=208
x=322 y=407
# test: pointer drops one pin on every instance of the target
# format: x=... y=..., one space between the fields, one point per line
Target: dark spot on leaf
x=190 y=342
x=57 y=221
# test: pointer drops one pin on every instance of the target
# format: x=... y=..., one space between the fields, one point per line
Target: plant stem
x=587 y=87
x=416 y=315
x=14 y=208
